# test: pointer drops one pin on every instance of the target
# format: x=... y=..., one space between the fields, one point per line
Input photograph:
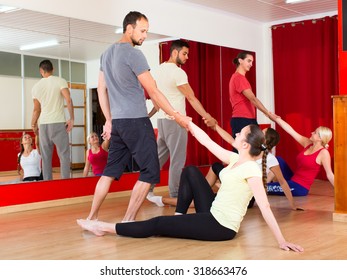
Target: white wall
x=11 y=93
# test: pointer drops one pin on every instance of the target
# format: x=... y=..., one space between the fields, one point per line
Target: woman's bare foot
x=91 y=225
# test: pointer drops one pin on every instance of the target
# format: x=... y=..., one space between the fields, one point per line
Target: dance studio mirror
x=75 y=54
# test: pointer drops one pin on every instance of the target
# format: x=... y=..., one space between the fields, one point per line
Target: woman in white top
x=29 y=159
x=217 y=218
x=273 y=169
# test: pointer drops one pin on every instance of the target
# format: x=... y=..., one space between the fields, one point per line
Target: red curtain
x=209 y=69
x=305 y=60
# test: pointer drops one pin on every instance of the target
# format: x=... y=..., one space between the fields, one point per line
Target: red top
x=241 y=106
x=307 y=168
x=98 y=161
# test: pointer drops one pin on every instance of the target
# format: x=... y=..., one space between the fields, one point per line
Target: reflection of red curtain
x=305 y=77
x=209 y=69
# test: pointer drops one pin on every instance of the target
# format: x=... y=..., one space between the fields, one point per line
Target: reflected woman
x=96 y=156
x=29 y=160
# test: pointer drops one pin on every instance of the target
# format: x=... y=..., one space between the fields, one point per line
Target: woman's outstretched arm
x=326 y=162
x=86 y=166
x=302 y=140
x=225 y=135
x=200 y=135
x=257 y=187
x=276 y=170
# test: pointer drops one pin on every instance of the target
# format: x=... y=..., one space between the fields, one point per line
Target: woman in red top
x=243 y=101
x=96 y=156
x=309 y=161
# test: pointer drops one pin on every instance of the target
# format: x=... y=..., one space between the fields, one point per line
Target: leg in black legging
x=217 y=168
x=200 y=226
x=194 y=186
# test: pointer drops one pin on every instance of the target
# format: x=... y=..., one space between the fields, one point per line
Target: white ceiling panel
x=268 y=10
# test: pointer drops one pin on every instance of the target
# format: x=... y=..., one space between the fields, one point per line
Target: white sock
x=150 y=194
x=177 y=213
x=157 y=200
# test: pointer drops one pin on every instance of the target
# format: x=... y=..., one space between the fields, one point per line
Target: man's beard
x=179 y=61
x=136 y=43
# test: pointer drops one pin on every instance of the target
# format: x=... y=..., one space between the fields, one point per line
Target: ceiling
x=81 y=40
x=268 y=10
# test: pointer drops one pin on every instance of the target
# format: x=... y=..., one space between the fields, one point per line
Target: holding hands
x=273 y=116
x=210 y=121
x=182 y=120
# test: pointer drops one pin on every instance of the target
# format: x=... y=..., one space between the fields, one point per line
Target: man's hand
x=183 y=121
x=35 y=129
x=69 y=125
x=210 y=121
x=107 y=129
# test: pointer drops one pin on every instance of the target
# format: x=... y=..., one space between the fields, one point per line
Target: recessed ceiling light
x=295 y=1
x=119 y=30
x=39 y=45
x=8 y=9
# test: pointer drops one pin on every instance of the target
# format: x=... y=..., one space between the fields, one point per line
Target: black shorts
x=133 y=138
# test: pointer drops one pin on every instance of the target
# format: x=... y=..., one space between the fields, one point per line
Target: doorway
x=98 y=121
x=98 y=118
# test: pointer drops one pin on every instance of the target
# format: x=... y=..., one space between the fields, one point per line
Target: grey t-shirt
x=121 y=64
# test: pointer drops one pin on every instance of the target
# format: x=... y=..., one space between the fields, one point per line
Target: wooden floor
x=52 y=234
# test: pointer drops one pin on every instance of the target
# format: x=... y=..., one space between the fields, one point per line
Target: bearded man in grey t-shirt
x=124 y=72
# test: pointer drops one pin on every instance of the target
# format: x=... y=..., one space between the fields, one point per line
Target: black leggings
x=200 y=225
x=194 y=186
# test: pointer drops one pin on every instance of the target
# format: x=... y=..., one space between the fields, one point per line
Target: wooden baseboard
x=340 y=217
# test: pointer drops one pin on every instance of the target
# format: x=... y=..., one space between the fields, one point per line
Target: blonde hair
x=90 y=135
x=325 y=135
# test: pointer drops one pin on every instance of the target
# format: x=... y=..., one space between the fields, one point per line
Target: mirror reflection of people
x=29 y=159
x=123 y=76
x=217 y=218
x=49 y=95
x=96 y=155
